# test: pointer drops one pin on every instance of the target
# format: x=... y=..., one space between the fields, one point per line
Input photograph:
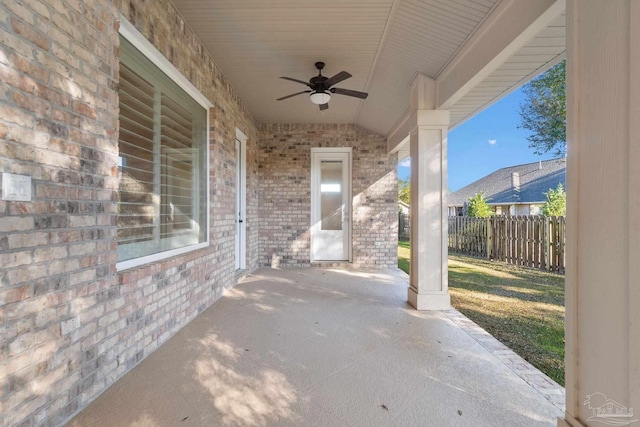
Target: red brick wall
x=72 y=324
x=285 y=193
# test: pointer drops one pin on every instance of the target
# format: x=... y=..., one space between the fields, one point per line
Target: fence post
x=546 y=244
x=489 y=236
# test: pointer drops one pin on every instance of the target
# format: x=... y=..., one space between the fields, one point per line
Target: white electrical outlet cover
x=16 y=188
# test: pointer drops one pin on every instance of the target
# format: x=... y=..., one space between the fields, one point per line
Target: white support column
x=603 y=211
x=428 y=288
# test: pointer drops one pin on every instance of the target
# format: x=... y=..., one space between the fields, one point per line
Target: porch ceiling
x=382 y=43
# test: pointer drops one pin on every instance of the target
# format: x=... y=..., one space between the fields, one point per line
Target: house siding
x=72 y=324
x=285 y=193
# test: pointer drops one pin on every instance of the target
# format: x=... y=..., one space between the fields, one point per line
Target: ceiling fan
x=321 y=90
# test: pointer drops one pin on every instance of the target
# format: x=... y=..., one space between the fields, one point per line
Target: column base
x=429 y=301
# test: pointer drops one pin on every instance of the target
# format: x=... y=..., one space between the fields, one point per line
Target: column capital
x=421 y=113
x=412 y=121
x=423 y=93
x=433 y=118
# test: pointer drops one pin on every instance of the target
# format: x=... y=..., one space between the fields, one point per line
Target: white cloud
x=492 y=142
x=406 y=162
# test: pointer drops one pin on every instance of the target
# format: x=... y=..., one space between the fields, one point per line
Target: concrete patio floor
x=320 y=347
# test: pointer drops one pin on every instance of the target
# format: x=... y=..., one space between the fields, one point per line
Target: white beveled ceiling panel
x=423 y=37
x=537 y=56
x=256 y=41
x=382 y=43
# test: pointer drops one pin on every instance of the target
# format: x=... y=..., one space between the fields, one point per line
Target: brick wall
x=72 y=324
x=285 y=193
x=58 y=124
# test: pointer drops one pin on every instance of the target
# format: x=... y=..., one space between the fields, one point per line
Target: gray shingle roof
x=535 y=180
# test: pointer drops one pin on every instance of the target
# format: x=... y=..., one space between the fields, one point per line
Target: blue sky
x=489 y=141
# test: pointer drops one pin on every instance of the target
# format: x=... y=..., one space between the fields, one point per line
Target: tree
x=404 y=193
x=543 y=112
x=477 y=206
x=556 y=204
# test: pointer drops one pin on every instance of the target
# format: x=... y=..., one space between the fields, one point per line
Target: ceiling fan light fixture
x=319 y=98
x=320 y=88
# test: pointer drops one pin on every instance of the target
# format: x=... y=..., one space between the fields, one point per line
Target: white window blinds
x=162 y=148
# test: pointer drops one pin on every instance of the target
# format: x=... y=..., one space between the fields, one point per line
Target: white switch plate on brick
x=16 y=188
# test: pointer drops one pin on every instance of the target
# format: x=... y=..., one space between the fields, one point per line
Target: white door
x=331 y=204
x=241 y=189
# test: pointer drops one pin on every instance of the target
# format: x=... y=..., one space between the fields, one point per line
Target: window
x=162 y=195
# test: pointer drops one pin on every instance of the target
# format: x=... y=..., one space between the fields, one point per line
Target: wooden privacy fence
x=530 y=241
x=468 y=235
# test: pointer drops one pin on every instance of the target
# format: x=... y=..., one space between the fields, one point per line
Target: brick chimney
x=515 y=185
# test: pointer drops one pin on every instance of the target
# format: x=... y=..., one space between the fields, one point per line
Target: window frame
x=133 y=36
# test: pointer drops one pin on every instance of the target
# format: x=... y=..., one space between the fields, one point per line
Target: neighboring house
x=515 y=190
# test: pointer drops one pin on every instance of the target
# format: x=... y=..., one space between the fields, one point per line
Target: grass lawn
x=523 y=308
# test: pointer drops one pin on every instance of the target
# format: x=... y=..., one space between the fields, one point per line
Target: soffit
x=537 y=56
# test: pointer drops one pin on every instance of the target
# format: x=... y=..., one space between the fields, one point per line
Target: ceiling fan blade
x=349 y=92
x=297 y=81
x=342 y=75
x=324 y=107
x=293 y=94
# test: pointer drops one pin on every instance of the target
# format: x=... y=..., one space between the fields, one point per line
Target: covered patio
x=328 y=347
x=151 y=155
